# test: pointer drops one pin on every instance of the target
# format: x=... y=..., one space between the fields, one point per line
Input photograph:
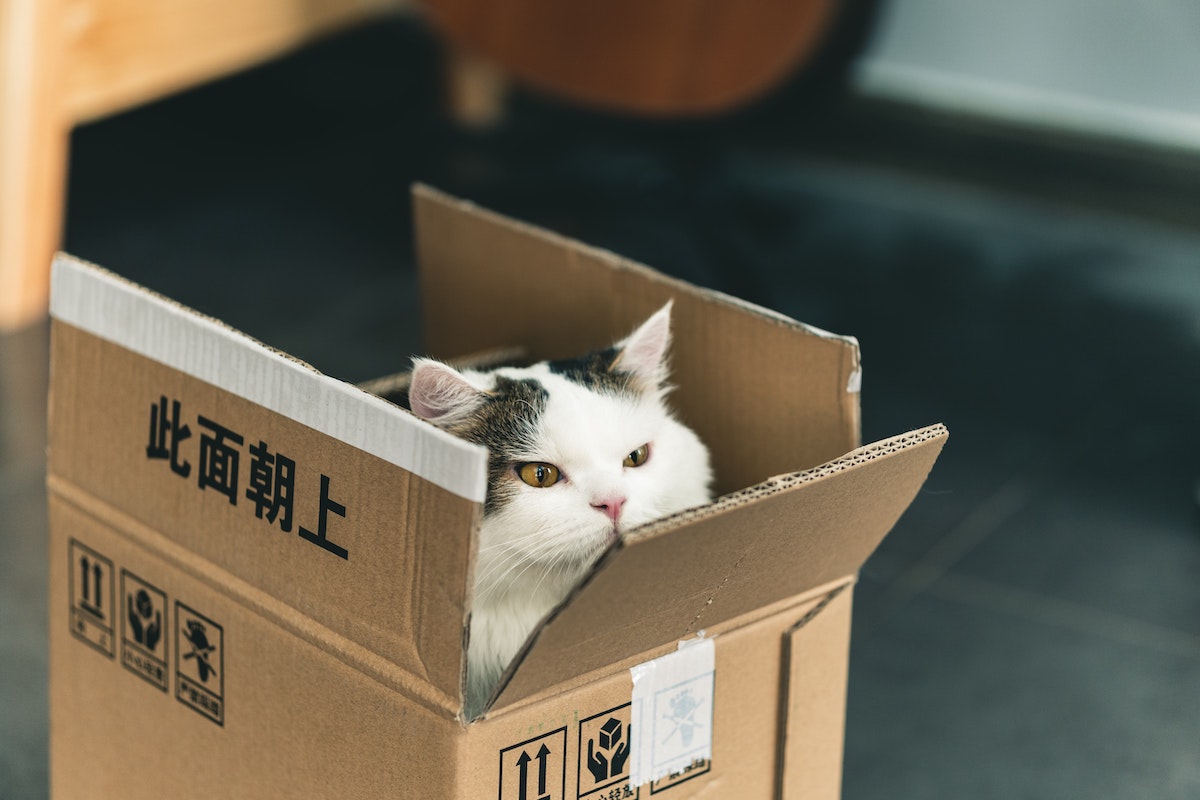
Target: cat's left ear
x=643 y=354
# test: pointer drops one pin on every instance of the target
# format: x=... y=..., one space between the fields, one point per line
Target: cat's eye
x=638 y=457
x=539 y=474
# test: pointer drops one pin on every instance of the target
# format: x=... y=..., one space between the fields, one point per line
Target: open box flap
x=767 y=394
x=170 y=424
x=671 y=579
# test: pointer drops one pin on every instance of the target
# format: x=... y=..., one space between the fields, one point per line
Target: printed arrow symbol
x=523 y=763
x=542 y=756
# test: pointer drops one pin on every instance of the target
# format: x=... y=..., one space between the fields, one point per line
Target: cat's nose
x=611 y=507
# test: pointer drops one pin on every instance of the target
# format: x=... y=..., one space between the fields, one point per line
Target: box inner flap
x=777 y=540
x=240 y=455
x=767 y=394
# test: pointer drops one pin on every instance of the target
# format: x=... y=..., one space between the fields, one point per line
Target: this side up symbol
x=523 y=764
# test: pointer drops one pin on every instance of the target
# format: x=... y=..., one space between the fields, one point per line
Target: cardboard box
x=260 y=576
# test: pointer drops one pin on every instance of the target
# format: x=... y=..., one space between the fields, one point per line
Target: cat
x=580 y=451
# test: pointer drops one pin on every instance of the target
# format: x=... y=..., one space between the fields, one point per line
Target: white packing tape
x=672 y=713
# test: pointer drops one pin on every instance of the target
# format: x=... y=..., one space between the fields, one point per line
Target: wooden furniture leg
x=63 y=62
x=476 y=90
x=33 y=155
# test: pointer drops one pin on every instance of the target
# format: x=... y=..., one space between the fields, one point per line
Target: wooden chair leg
x=477 y=90
x=34 y=136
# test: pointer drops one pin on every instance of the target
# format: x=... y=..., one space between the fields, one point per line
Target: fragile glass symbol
x=196 y=635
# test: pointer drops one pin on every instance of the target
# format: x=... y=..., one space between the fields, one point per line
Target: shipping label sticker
x=143 y=643
x=91 y=591
x=605 y=745
x=535 y=769
x=199 y=663
x=672 y=715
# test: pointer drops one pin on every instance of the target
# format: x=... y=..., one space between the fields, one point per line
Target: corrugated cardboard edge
x=98 y=301
x=855 y=458
x=782 y=483
x=444 y=223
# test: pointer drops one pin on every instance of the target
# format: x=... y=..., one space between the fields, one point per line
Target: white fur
x=535 y=548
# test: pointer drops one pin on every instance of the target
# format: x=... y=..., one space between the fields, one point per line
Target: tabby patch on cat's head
x=637 y=363
x=588 y=421
x=499 y=412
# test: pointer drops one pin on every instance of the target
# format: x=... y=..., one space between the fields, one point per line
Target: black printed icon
x=543 y=758
x=199 y=663
x=92 y=580
x=535 y=769
x=143 y=646
x=694 y=769
x=605 y=743
x=91 y=591
x=197 y=636
x=145 y=621
x=608 y=752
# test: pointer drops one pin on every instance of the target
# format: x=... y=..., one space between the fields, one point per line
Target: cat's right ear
x=440 y=394
x=643 y=354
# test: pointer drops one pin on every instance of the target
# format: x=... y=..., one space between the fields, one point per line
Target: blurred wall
x=1128 y=69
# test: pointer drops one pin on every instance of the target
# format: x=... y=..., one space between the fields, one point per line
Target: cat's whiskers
x=553 y=567
x=511 y=579
x=516 y=560
x=514 y=542
x=499 y=573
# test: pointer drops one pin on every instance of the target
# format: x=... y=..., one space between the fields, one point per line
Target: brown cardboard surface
x=401 y=590
x=281 y=716
x=743 y=375
x=813 y=701
x=337 y=659
x=776 y=541
x=298 y=720
x=748 y=711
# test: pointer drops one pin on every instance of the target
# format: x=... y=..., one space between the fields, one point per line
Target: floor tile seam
x=1039 y=607
x=1013 y=495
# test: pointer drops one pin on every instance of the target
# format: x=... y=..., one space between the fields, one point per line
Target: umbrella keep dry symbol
x=196 y=635
x=199 y=663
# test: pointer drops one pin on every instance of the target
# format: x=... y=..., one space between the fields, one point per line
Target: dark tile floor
x=1032 y=626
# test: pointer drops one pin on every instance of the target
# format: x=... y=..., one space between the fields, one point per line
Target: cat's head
x=580 y=449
